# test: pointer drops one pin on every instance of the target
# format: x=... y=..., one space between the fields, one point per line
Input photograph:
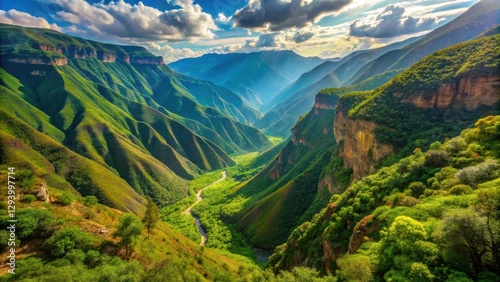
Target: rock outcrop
x=78 y=52
x=360 y=149
x=467 y=92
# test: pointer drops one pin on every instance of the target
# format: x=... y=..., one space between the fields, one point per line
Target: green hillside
x=383 y=63
x=432 y=215
x=106 y=111
x=212 y=111
x=399 y=123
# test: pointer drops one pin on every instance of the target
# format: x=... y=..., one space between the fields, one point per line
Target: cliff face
x=360 y=149
x=468 y=92
x=79 y=52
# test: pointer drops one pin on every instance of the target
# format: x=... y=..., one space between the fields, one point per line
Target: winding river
x=196 y=218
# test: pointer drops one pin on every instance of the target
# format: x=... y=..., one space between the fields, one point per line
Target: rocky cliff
x=46 y=54
x=360 y=150
x=466 y=92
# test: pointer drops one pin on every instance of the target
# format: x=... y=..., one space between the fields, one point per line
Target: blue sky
x=185 y=28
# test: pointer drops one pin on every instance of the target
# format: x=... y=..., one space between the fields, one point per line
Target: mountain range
x=381 y=165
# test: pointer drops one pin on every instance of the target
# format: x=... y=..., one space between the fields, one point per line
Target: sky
x=178 y=29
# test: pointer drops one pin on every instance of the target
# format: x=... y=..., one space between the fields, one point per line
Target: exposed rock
x=43 y=195
x=332 y=186
x=49 y=48
x=361 y=150
x=329 y=253
x=38 y=73
x=106 y=57
x=365 y=227
x=468 y=92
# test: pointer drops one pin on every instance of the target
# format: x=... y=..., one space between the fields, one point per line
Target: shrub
x=436 y=158
x=417 y=188
x=32 y=220
x=479 y=173
x=461 y=189
x=90 y=201
x=68 y=239
x=65 y=198
x=28 y=198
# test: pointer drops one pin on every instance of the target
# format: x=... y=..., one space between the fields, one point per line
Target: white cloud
x=391 y=22
x=122 y=20
x=24 y=19
x=223 y=19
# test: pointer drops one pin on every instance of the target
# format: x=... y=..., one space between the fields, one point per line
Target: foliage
x=428 y=216
x=129 y=228
x=90 y=201
x=65 y=198
x=68 y=239
x=28 y=198
x=151 y=216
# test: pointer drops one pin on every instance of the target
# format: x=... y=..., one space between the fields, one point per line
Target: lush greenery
x=431 y=216
x=406 y=126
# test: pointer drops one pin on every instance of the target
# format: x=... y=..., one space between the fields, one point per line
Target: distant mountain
x=113 y=121
x=256 y=77
x=382 y=63
x=477 y=19
x=298 y=97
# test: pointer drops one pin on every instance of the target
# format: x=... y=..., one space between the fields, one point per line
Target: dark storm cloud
x=279 y=14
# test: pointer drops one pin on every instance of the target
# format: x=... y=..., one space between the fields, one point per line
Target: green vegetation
x=151 y=216
x=416 y=218
x=129 y=229
x=388 y=107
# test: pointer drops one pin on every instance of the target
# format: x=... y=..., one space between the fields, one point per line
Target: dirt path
x=196 y=219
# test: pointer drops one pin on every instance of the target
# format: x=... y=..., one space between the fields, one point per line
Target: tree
x=129 y=228
x=151 y=216
x=464 y=235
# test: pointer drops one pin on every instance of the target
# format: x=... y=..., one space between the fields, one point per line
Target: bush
x=417 y=188
x=90 y=201
x=482 y=172
x=28 y=198
x=461 y=189
x=436 y=158
x=70 y=238
x=32 y=220
x=65 y=198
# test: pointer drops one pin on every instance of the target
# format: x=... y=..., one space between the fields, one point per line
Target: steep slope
x=286 y=191
x=435 y=193
x=125 y=132
x=443 y=92
x=256 y=77
x=437 y=97
x=298 y=97
x=432 y=100
x=141 y=78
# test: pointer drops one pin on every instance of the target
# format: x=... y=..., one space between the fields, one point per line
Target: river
x=196 y=219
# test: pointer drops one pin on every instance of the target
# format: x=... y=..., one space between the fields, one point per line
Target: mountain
x=374 y=67
x=256 y=77
x=434 y=99
x=477 y=19
x=112 y=121
x=418 y=213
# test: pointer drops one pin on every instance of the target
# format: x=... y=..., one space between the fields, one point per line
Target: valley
x=379 y=165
